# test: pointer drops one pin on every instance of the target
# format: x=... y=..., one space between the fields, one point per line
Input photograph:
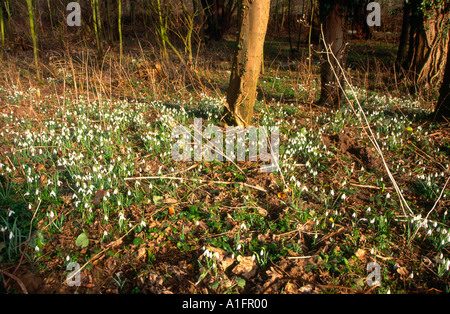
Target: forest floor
x=87 y=177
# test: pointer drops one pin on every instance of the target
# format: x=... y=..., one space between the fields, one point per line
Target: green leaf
x=240 y=282
x=157 y=199
x=82 y=240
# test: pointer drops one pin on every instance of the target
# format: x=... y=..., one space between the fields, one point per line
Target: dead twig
x=17 y=279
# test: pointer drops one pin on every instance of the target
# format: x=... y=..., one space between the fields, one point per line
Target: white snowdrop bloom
x=343 y=196
x=239 y=247
x=11 y=235
x=52 y=193
x=253 y=257
x=243 y=226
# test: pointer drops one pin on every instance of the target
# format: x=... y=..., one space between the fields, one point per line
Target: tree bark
x=429 y=47
x=442 y=109
x=406 y=28
x=241 y=95
x=359 y=23
x=333 y=22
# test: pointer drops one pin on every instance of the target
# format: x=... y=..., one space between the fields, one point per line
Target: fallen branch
x=196 y=180
x=19 y=282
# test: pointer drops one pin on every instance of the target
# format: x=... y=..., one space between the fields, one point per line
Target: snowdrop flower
x=239 y=247
x=143 y=224
x=343 y=196
x=243 y=226
x=52 y=193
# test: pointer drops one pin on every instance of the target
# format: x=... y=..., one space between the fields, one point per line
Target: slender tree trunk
x=97 y=27
x=241 y=95
x=333 y=27
x=119 y=24
x=442 y=109
x=2 y=31
x=32 y=19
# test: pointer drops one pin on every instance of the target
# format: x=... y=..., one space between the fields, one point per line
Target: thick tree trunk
x=241 y=95
x=430 y=47
x=442 y=109
x=359 y=23
x=406 y=28
x=333 y=21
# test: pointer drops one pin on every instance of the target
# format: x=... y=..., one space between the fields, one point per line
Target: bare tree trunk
x=406 y=28
x=442 y=109
x=241 y=95
x=429 y=50
x=333 y=27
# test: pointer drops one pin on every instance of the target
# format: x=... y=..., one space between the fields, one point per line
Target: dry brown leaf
x=98 y=197
x=170 y=201
x=262 y=212
x=246 y=267
x=227 y=262
x=403 y=271
x=142 y=254
x=360 y=253
x=39 y=167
